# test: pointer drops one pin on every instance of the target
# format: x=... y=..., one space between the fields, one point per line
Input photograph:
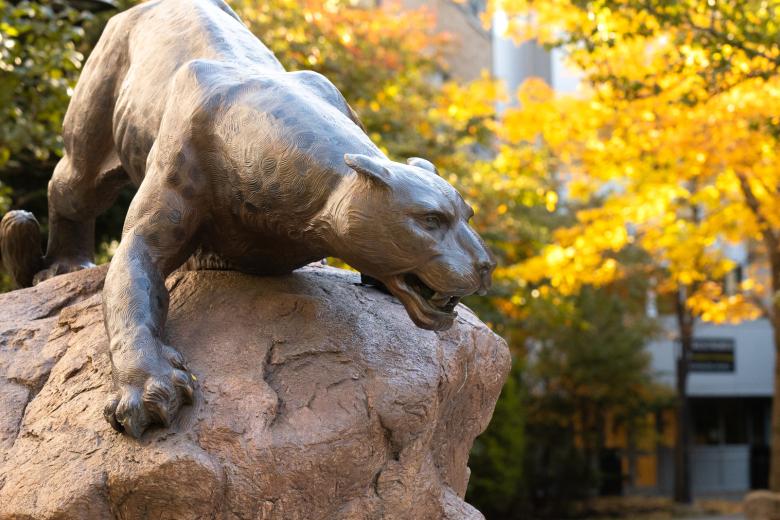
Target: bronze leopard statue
x=239 y=165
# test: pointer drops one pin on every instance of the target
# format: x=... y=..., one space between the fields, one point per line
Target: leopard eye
x=432 y=222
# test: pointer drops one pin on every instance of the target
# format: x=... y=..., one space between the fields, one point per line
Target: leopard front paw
x=150 y=396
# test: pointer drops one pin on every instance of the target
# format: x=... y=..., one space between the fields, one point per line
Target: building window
x=729 y=420
x=733 y=280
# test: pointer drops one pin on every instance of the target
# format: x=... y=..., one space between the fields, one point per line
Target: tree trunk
x=773 y=247
x=774 y=465
x=774 y=319
x=682 y=478
x=771 y=238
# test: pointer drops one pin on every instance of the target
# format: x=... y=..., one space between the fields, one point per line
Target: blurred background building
x=730 y=388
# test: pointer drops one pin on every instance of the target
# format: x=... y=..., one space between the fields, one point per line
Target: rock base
x=762 y=505
x=316 y=398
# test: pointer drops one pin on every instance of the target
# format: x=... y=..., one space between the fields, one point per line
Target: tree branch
x=755 y=207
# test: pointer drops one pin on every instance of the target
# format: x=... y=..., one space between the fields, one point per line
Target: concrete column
x=513 y=63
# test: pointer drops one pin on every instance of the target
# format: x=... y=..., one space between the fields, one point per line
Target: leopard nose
x=485 y=269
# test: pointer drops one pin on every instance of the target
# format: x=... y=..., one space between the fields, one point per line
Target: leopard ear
x=368 y=168
x=422 y=163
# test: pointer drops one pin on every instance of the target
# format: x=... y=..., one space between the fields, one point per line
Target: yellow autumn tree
x=670 y=147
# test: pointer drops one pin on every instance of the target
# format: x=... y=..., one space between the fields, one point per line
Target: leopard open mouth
x=428 y=308
x=440 y=302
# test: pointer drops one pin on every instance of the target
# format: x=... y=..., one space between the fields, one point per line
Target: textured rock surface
x=762 y=505
x=316 y=399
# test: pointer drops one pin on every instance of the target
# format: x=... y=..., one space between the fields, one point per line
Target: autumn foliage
x=670 y=147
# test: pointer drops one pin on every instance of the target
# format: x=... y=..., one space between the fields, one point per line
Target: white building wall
x=565 y=80
x=753 y=374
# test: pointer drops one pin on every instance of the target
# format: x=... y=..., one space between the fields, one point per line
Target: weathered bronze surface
x=239 y=165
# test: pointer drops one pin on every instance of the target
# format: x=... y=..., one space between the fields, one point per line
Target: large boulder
x=316 y=398
x=762 y=505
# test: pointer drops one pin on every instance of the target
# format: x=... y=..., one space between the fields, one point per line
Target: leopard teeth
x=440 y=298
